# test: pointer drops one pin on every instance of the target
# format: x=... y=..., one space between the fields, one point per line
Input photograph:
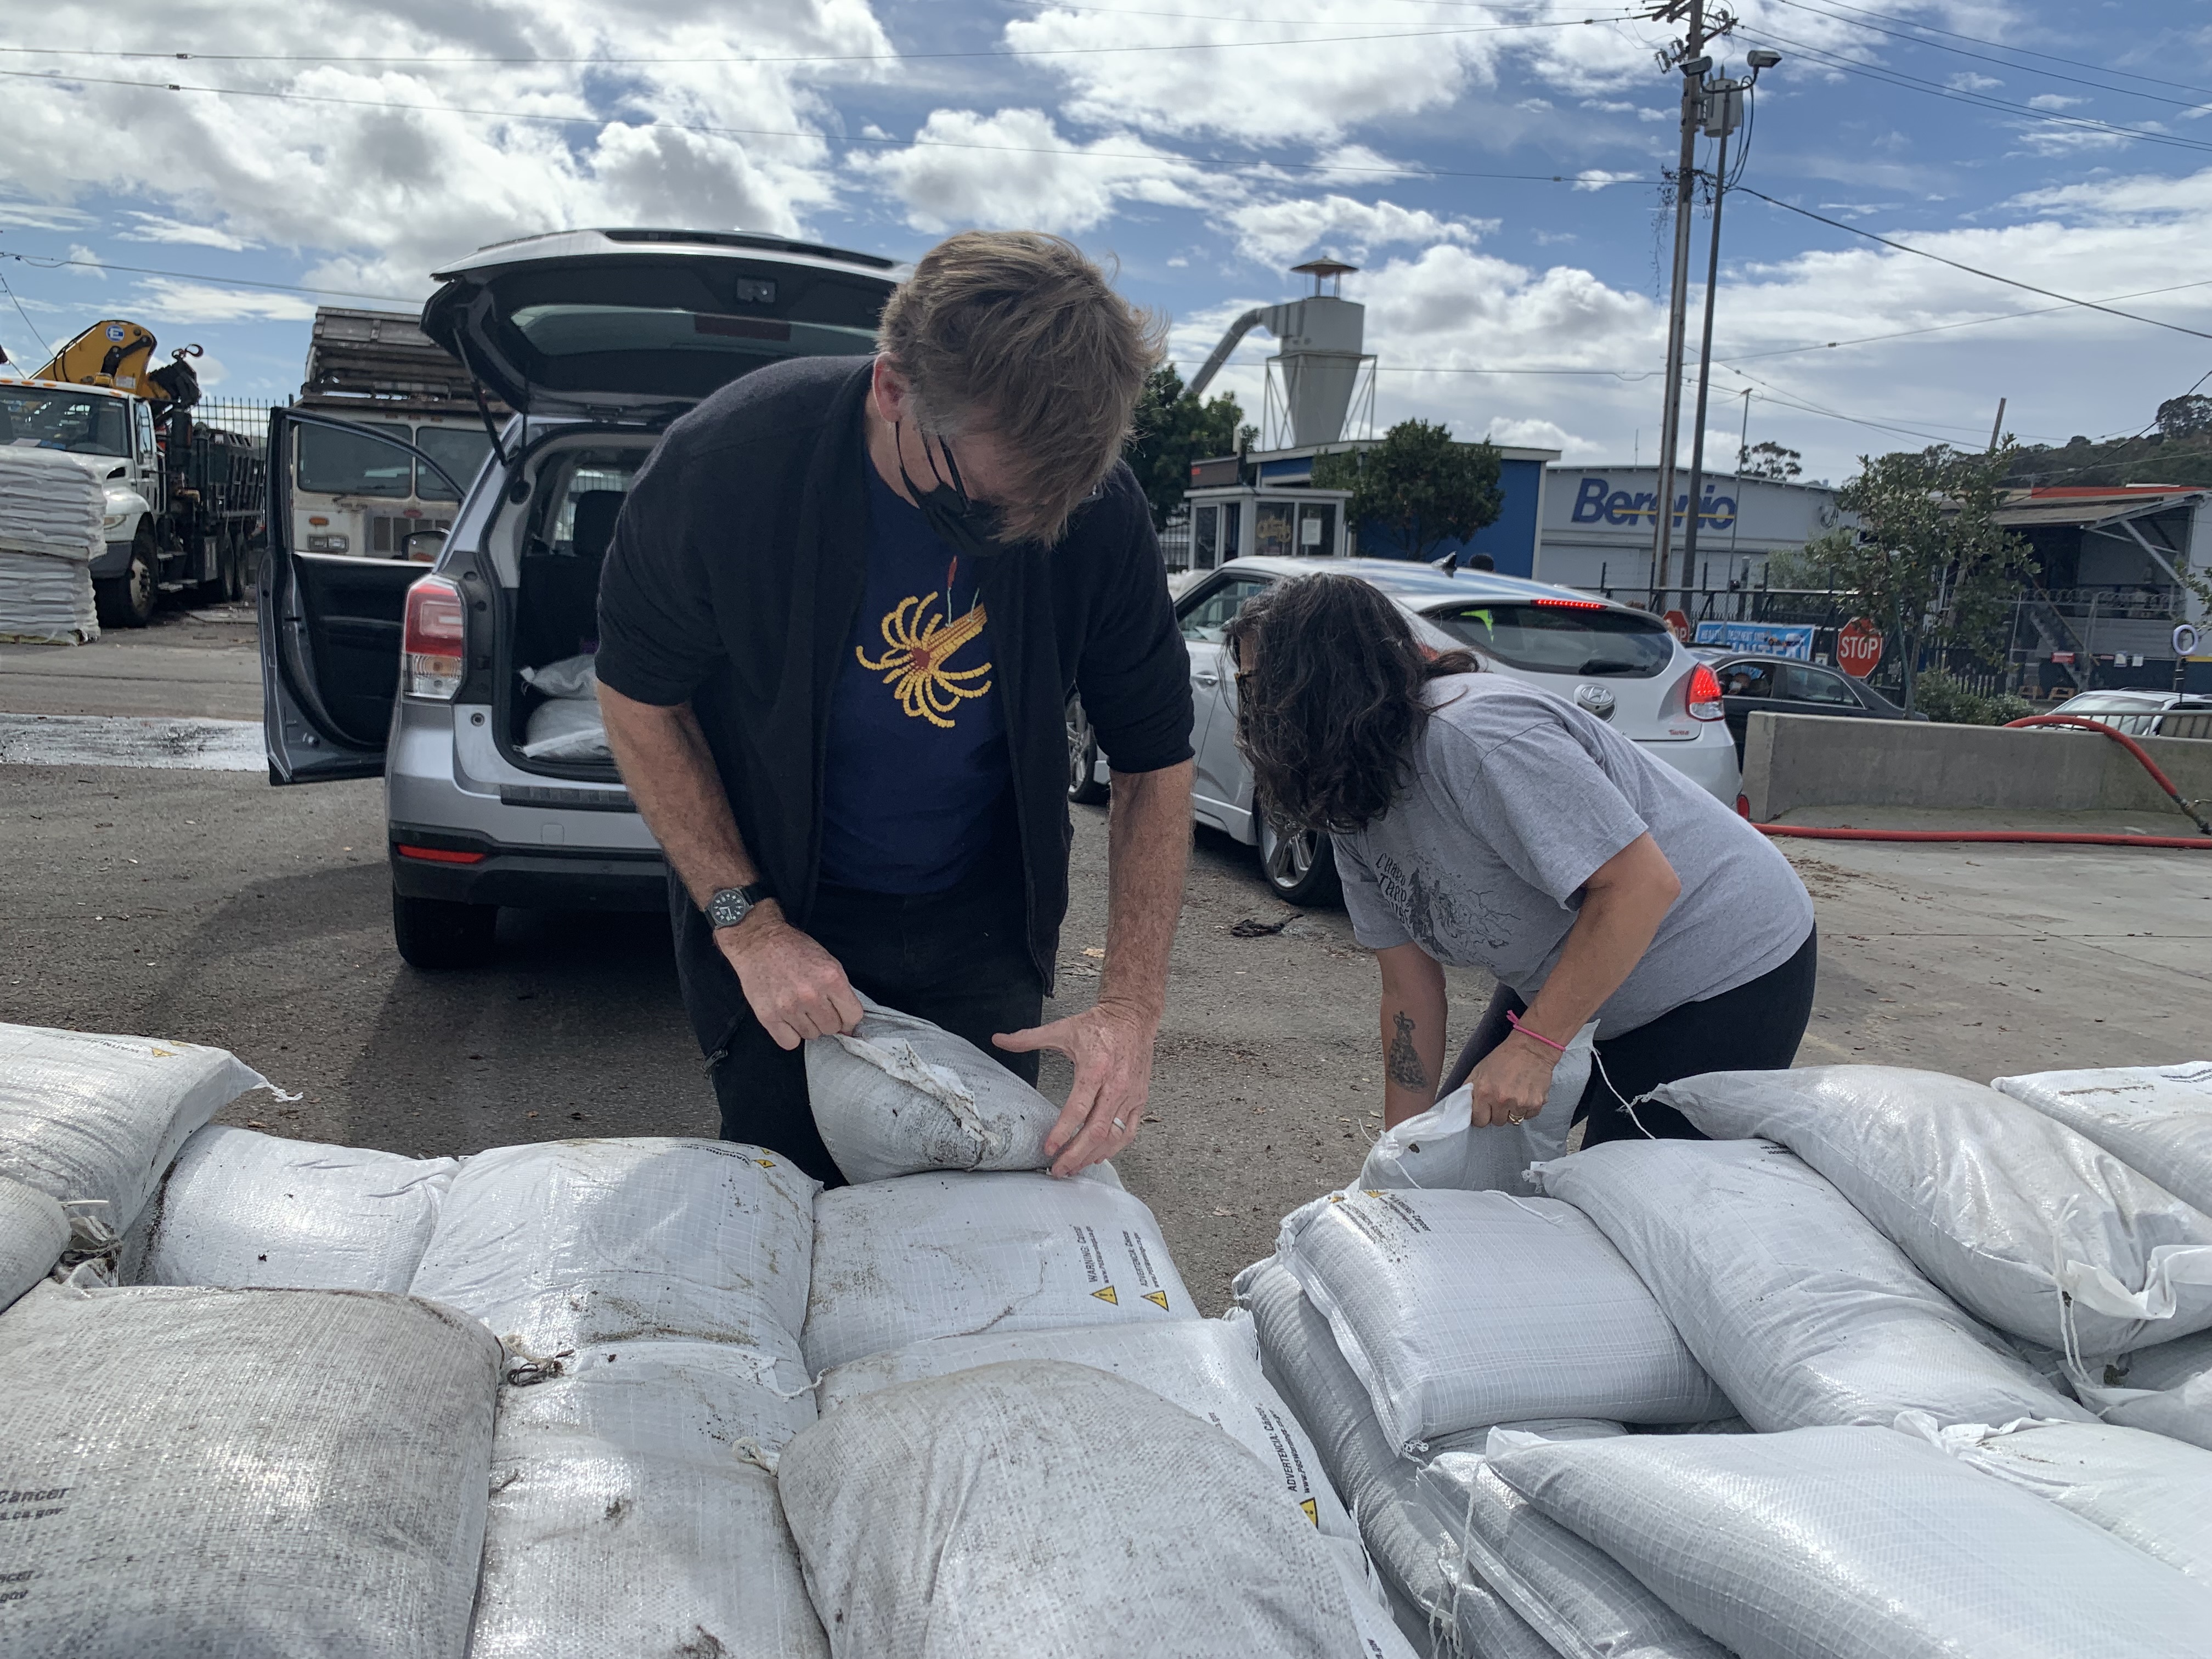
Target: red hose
x=1808 y=832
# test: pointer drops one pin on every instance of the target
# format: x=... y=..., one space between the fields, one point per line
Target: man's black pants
x=960 y=958
x=1754 y=1028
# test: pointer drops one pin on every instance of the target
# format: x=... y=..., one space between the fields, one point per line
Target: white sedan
x=1618 y=663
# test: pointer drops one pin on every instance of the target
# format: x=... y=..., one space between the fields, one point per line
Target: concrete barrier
x=1795 y=762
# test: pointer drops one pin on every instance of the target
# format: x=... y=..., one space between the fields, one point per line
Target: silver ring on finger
x=1118 y=1124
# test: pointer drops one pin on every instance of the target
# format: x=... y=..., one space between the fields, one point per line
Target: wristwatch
x=729 y=906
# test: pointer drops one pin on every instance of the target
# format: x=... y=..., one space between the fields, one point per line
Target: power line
x=1586 y=179
x=1836 y=6
x=25 y=316
x=1971 y=271
x=2005 y=62
x=467 y=59
x=37 y=263
x=1933 y=89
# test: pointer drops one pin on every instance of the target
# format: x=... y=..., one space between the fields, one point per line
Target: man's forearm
x=1147 y=855
x=670 y=773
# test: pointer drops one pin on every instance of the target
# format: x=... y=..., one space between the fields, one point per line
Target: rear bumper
x=540 y=878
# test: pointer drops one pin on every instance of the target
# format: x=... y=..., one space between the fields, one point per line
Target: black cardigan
x=735 y=573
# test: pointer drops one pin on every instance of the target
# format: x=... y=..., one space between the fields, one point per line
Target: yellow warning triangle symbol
x=1312 y=1509
x=765 y=1162
x=1107 y=1295
x=1158 y=1299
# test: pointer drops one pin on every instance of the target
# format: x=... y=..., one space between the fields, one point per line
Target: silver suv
x=436 y=675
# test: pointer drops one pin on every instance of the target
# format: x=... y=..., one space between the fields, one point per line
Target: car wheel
x=1299 y=866
x=437 y=934
x=234 y=571
x=1082 y=786
x=127 y=600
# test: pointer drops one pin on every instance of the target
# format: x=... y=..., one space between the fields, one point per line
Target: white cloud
x=1970 y=81
x=1598 y=178
x=86 y=262
x=18 y=215
x=1021 y=172
x=159 y=228
x=171 y=299
x=2054 y=100
x=1276 y=232
x=390 y=178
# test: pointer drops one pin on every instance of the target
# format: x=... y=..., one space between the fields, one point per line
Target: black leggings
x=959 y=958
x=1754 y=1028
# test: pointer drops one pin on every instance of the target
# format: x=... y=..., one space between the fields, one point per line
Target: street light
x=1723 y=114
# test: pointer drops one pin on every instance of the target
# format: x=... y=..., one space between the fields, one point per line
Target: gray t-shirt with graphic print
x=1516 y=797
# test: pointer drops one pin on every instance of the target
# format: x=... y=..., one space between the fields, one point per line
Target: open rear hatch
x=638 y=325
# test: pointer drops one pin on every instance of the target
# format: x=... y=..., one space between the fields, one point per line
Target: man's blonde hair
x=1016 y=333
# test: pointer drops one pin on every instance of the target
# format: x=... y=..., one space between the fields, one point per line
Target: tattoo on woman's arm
x=1404 y=1060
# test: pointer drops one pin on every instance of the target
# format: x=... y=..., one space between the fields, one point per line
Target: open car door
x=331 y=627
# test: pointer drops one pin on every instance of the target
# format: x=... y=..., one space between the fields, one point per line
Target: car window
x=1207 y=621
x=577 y=518
x=1803 y=684
x=79 y=422
x=2094 y=703
x=1563 y=636
x=335 y=463
x=459 y=449
x=1747 y=679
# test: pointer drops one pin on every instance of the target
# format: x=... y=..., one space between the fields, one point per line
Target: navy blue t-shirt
x=917 y=768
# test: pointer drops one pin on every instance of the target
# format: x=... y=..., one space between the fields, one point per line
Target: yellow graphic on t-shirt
x=916 y=666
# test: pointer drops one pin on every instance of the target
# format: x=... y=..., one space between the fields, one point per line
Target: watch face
x=727 y=908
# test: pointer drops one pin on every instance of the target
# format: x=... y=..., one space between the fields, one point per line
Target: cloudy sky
x=1493 y=167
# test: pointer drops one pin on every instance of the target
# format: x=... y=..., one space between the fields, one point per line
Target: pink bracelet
x=1514 y=1020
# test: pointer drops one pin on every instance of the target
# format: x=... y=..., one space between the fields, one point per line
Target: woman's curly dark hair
x=1328 y=699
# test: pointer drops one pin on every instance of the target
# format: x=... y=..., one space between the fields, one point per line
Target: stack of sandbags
x=51 y=504
x=255 y=1473
x=649 y=1294
x=568 y=725
x=954 y=1259
x=1442 y=1146
x=35 y=1231
x=238 y=1208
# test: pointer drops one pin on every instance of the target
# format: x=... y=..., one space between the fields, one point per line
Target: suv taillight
x=1704 y=698
x=434 y=645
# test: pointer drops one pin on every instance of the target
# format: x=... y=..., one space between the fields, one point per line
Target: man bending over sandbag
x=845 y=606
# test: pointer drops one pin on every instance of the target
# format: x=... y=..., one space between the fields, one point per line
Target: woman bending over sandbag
x=1480 y=823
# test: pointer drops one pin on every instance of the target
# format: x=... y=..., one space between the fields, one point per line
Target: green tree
x=1419 y=485
x=1171 y=429
x=2185 y=416
x=1926 y=559
x=1768 y=459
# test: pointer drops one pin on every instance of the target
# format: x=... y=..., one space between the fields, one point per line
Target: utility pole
x=1694 y=64
x=1996 y=427
x=1724 y=114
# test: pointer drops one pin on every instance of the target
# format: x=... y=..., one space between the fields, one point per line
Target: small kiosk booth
x=1240 y=520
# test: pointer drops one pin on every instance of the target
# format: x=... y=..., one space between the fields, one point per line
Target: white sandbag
x=2167 y=1390
x=1298 y=1352
x=632 y=1511
x=1577 y=1597
x=1045 y=1510
x=2029 y=1225
x=1441 y=1147
x=1209 y=1367
x=2157 y=1120
x=566 y=729
x=86 y=1117
x=928 y=1256
x=2139 y=1487
x=1460 y=1310
x=1852 y=1542
x=578 y=1243
x=900 y=1096
x=571 y=677
x=1802 y=1312
x=51 y=503
x=34 y=1229
x=238 y=1208
x=241 y=1475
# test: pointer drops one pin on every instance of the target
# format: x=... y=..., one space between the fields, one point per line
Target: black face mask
x=965 y=525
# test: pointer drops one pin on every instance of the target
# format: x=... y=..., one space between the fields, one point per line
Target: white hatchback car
x=1619 y=663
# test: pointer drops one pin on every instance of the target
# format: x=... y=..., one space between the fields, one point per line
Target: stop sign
x=1678 y=624
x=1858 y=646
